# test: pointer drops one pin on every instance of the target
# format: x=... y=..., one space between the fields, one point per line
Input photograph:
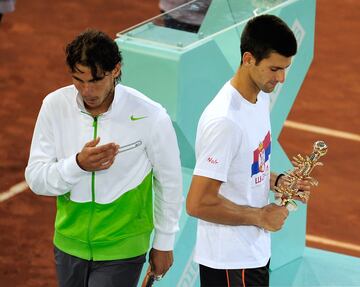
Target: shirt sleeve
x=45 y=174
x=164 y=155
x=217 y=143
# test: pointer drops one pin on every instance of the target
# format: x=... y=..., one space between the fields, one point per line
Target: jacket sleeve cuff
x=163 y=242
x=70 y=170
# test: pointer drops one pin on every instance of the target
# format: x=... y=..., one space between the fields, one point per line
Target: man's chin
x=91 y=104
x=268 y=90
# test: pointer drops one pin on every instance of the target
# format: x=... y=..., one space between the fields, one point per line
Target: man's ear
x=117 y=70
x=248 y=59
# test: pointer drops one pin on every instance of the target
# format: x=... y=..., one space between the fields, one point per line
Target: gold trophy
x=288 y=188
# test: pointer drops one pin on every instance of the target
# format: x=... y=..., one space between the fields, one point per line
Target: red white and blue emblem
x=261 y=156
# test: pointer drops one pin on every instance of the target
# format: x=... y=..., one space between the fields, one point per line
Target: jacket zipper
x=95 y=126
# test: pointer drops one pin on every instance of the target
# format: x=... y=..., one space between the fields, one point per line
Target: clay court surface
x=32 y=64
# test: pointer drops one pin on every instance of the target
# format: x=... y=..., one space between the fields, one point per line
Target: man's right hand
x=94 y=158
x=273 y=217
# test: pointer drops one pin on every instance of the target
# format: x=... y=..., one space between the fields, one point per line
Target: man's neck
x=245 y=86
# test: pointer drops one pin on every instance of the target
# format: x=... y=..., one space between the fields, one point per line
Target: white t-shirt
x=233 y=145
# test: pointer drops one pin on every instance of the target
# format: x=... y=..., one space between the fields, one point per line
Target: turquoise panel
x=318 y=268
x=151 y=70
x=229 y=44
x=187 y=152
x=202 y=71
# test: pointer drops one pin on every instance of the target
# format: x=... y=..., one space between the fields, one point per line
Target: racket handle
x=149 y=279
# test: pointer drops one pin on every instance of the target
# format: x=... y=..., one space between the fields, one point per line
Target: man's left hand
x=160 y=261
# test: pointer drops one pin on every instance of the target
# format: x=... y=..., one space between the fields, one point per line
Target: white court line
x=17 y=188
x=320 y=130
x=326 y=241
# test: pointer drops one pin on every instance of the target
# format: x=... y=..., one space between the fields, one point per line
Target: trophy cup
x=288 y=188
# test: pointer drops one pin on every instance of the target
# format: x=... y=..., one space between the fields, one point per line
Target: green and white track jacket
x=108 y=215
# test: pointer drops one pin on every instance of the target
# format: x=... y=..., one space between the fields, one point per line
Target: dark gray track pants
x=76 y=272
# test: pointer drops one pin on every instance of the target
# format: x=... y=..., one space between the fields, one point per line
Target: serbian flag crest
x=261 y=155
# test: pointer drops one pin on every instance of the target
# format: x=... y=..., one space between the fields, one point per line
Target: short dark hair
x=265 y=34
x=93 y=49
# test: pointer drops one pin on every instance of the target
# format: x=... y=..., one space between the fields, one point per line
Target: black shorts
x=210 y=277
x=74 y=272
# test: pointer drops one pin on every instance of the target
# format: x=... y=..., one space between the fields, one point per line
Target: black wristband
x=278 y=178
x=77 y=161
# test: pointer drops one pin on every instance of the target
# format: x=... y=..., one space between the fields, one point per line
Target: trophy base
x=289 y=204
